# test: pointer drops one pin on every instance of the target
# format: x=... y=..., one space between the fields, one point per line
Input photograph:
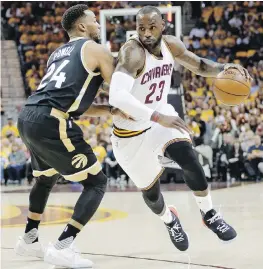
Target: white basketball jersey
x=151 y=87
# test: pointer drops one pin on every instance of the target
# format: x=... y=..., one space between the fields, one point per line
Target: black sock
x=32 y=224
x=68 y=232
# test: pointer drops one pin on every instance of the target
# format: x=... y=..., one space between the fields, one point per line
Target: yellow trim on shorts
x=48 y=173
x=82 y=175
x=175 y=140
x=126 y=133
x=157 y=178
x=164 y=148
x=62 y=116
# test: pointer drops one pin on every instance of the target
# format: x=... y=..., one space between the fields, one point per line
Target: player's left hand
x=117 y=112
x=241 y=69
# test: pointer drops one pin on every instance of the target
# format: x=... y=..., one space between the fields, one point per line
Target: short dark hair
x=149 y=9
x=71 y=15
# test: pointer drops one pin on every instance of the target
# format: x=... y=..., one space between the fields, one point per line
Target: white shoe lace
x=178 y=236
x=222 y=227
x=216 y=217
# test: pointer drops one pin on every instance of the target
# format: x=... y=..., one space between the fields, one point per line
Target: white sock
x=204 y=203
x=166 y=215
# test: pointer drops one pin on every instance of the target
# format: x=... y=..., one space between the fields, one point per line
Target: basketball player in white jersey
x=139 y=87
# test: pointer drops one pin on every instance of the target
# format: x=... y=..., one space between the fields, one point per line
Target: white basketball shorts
x=138 y=155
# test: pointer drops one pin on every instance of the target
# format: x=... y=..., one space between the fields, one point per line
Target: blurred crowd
x=228 y=139
x=229 y=33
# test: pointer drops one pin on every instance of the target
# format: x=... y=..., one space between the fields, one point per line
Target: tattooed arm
x=199 y=66
x=130 y=64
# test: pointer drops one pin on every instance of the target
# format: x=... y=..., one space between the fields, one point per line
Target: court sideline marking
x=147 y=259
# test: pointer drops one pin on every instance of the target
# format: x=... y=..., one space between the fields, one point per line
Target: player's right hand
x=173 y=122
x=241 y=69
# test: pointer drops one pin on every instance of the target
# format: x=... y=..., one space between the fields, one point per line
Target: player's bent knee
x=40 y=192
x=153 y=198
x=98 y=181
x=90 y=198
x=183 y=153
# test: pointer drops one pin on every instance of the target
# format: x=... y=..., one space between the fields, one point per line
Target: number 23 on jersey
x=150 y=98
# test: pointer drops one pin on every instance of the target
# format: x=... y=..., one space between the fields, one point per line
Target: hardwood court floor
x=124 y=234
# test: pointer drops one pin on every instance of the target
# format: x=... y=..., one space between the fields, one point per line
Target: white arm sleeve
x=120 y=97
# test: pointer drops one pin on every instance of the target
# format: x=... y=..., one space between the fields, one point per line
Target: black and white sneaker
x=215 y=223
x=177 y=234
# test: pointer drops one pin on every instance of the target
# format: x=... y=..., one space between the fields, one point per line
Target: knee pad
x=184 y=154
x=40 y=192
x=153 y=198
x=98 y=182
x=90 y=198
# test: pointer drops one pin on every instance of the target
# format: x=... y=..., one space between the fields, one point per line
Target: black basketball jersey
x=68 y=85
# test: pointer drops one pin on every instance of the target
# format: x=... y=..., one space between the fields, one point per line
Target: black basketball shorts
x=56 y=144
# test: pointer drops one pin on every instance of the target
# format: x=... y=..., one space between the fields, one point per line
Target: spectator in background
x=224 y=154
x=235 y=160
x=235 y=22
x=209 y=130
x=13 y=12
x=2 y=112
x=259 y=131
x=217 y=139
x=14 y=140
x=198 y=31
x=202 y=128
x=255 y=157
x=17 y=161
x=193 y=127
x=111 y=166
x=5 y=147
x=98 y=150
x=3 y=163
x=246 y=137
x=10 y=128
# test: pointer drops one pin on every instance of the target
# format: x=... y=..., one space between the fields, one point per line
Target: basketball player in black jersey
x=75 y=72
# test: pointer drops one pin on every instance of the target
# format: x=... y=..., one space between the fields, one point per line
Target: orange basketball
x=231 y=87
